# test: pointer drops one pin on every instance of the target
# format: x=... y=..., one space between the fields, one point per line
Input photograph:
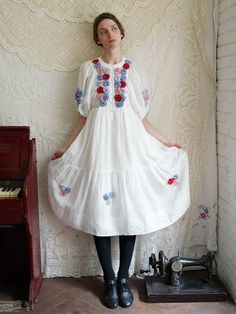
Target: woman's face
x=109 y=34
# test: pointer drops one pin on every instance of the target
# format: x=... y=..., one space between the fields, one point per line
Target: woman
x=115 y=175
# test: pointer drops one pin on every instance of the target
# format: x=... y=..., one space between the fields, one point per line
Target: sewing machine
x=182 y=280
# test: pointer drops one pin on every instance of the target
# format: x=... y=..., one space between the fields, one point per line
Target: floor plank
x=83 y=296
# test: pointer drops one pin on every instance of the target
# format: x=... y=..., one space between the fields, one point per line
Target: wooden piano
x=20 y=264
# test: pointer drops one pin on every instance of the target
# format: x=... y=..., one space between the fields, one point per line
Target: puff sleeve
x=139 y=93
x=83 y=90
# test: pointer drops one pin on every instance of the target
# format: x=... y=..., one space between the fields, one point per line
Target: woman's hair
x=104 y=16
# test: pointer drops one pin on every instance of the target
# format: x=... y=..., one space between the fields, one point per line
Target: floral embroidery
x=126 y=65
x=64 y=190
x=145 y=94
x=204 y=211
x=108 y=197
x=103 y=82
x=120 y=84
x=174 y=180
x=79 y=96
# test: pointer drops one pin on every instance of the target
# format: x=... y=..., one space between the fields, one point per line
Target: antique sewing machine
x=182 y=280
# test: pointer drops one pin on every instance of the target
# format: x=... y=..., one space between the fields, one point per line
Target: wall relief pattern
x=169 y=43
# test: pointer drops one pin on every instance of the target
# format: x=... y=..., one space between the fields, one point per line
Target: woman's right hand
x=58 y=154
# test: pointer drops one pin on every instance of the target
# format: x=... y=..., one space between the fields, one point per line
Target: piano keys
x=9 y=192
x=20 y=262
x=10 y=189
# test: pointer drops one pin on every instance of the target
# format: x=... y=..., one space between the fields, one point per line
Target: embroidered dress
x=116 y=178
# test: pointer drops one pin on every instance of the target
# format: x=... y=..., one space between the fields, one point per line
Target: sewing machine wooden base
x=196 y=287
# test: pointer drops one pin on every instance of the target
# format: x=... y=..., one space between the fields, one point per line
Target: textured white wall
x=226 y=139
x=42 y=44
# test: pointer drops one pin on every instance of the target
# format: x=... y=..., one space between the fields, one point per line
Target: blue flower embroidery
x=117 y=83
x=79 y=96
x=145 y=94
x=103 y=103
x=105 y=83
x=108 y=197
x=64 y=190
x=106 y=95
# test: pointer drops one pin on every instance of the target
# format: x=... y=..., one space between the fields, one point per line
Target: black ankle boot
x=125 y=295
x=111 y=299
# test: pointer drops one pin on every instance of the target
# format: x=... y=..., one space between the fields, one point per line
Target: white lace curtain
x=42 y=45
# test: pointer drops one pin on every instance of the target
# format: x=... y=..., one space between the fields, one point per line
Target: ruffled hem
x=119 y=202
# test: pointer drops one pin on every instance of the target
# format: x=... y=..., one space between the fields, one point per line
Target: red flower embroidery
x=126 y=66
x=106 y=76
x=173 y=180
x=95 y=61
x=170 y=181
x=122 y=84
x=203 y=215
x=204 y=211
x=118 y=98
x=100 y=90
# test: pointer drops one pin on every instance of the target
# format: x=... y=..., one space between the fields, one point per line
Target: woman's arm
x=72 y=136
x=151 y=130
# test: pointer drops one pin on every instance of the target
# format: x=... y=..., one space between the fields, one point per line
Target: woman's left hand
x=170 y=144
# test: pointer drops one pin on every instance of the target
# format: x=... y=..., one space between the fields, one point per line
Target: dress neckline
x=116 y=65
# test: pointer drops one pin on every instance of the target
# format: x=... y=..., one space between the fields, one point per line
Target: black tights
x=103 y=246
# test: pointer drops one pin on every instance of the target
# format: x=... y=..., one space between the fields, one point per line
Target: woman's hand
x=151 y=130
x=170 y=144
x=58 y=154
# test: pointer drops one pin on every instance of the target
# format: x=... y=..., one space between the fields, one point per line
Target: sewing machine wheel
x=162 y=263
x=152 y=259
x=153 y=263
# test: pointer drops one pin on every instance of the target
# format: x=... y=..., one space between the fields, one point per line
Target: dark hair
x=103 y=16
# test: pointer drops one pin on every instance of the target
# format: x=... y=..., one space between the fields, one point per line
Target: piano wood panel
x=12 y=211
x=14 y=151
x=19 y=220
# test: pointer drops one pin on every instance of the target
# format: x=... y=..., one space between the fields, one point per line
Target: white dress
x=115 y=178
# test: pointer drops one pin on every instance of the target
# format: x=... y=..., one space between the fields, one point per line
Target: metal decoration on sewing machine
x=173 y=281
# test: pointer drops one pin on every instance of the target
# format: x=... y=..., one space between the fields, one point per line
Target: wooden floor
x=83 y=296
